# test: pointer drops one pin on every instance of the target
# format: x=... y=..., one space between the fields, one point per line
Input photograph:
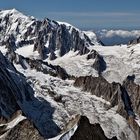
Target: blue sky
x=91 y=14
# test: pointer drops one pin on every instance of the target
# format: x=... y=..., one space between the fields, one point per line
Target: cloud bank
x=113 y=37
x=120 y=33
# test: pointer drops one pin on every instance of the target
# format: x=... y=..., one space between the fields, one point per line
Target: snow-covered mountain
x=65 y=84
x=45 y=38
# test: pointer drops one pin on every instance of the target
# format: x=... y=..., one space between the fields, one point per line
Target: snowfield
x=76 y=65
x=27 y=51
x=121 y=61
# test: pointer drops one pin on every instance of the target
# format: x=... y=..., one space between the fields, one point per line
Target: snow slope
x=92 y=36
x=27 y=51
x=74 y=101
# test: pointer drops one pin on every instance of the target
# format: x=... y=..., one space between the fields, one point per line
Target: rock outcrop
x=87 y=131
x=38 y=65
x=133 y=91
x=25 y=130
x=135 y=41
x=19 y=127
x=126 y=95
x=100 y=87
x=99 y=63
x=81 y=129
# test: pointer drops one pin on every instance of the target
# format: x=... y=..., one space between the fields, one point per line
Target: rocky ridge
x=47 y=36
x=125 y=96
x=82 y=129
x=135 y=41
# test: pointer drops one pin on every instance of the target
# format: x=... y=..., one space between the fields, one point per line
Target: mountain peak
x=9 y=11
x=14 y=13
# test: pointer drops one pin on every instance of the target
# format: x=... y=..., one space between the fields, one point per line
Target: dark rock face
x=135 y=41
x=17 y=94
x=25 y=130
x=92 y=55
x=133 y=91
x=99 y=64
x=100 y=87
x=84 y=50
x=52 y=56
x=129 y=105
x=8 y=90
x=61 y=72
x=126 y=103
x=59 y=38
x=12 y=95
x=10 y=43
x=87 y=131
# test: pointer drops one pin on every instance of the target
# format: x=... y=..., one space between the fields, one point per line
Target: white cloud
x=121 y=33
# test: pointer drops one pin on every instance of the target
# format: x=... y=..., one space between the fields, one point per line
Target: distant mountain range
x=117 y=37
